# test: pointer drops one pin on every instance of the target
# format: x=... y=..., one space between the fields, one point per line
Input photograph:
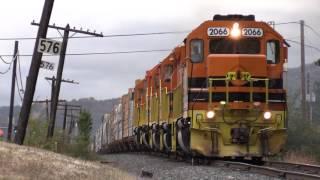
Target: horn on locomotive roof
x=233 y=17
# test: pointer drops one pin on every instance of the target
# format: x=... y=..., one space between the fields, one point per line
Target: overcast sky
x=109 y=76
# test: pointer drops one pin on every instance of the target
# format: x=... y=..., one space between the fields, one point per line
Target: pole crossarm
x=71 y=30
x=69 y=115
x=69 y=109
x=70 y=105
x=63 y=80
x=44 y=101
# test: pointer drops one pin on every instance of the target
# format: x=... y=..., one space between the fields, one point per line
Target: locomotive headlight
x=235 y=31
x=210 y=114
x=267 y=115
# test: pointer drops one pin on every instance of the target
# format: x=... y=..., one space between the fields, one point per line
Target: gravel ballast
x=163 y=168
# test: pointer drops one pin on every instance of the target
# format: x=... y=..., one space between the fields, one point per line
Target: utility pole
x=47 y=109
x=308 y=102
x=310 y=98
x=303 y=84
x=53 y=85
x=71 y=123
x=71 y=108
x=52 y=112
x=47 y=105
x=65 y=117
x=58 y=82
x=66 y=114
x=33 y=74
x=13 y=82
x=60 y=67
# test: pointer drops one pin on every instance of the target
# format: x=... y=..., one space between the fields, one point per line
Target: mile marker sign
x=47 y=65
x=49 y=46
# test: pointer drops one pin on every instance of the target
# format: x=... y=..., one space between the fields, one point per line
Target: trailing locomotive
x=219 y=94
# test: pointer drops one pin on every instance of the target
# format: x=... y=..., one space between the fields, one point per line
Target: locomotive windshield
x=230 y=46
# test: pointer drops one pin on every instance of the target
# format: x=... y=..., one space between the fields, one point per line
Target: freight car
x=219 y=94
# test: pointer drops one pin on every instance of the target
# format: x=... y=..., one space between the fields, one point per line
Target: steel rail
x=305 y=168
x=266 y=170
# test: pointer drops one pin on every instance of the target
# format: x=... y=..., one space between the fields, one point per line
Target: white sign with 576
x=49 y=46
x=47 y=65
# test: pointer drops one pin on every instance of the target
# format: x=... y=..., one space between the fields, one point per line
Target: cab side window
x=168 y=70
x=273 y=52
x=196 y=50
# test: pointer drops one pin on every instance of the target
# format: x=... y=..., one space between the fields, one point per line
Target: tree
x=85 y=125
x=83 y=139
x=317 y=62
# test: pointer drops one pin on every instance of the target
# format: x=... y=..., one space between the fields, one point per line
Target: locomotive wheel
x=145 y=139
x=156 y=140
x=155 y=137
x=184 y=140
x=167 y=142
x=183 y=134
x=137 y=139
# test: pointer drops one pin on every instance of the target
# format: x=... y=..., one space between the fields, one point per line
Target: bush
x=303 y=137
x=76 y=146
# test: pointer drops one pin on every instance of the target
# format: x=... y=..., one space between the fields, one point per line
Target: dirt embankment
x=21 y=162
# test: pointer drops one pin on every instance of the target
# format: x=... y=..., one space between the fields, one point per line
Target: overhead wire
x=306 y=45
x=101 y=53
x=19 y=69
x=4 y=61
x=105 y=36
x=284 y=23
x=313 y=30
x=140 y=34
x=18 y=88
x=8 y=69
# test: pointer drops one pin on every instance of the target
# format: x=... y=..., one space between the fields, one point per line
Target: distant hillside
x=294 y=78
x=97 y=108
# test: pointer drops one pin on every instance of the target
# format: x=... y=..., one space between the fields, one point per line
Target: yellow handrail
x=230 y=77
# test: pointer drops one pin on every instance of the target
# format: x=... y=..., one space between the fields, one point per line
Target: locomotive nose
x=219 y=65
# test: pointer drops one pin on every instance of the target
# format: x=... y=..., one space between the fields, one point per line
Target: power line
x=124 y=35
x=4 y=61
x=297 y=22
x=313 y=30
x=19 y=69
x=284 y=23
x=103 y=53
x=6 y=71
x=18 y=88
x=137 y=34
x=307 y=45
x=105 y=36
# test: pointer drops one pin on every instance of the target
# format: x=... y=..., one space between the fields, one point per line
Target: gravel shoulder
x=22 y=162
x=169 y=169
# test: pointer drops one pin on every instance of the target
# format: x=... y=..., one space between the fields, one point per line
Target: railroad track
x=284 y=170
